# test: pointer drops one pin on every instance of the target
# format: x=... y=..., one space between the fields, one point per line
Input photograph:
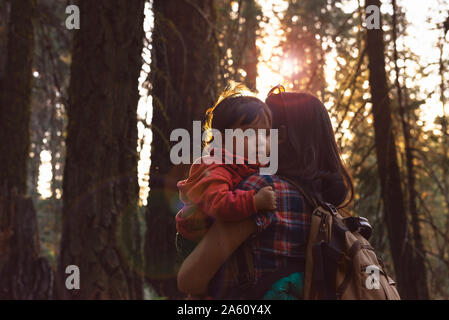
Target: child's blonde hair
x=236 y=106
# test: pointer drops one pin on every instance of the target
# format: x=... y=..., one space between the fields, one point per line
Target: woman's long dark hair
x=312 y=155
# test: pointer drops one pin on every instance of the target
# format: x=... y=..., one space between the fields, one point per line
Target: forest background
x=85 y=118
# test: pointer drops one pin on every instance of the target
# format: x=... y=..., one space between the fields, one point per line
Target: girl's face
x=254 y=144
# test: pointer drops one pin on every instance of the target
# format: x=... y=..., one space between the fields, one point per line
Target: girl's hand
x=265 y=199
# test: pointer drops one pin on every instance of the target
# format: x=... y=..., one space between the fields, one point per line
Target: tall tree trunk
x=4 y=22
x=100 y=189
x=419 y=267
x=15 y=97
x=183 y=79
x=444 y=120
x=23 y=275
x=251 y=54
x=393 y=200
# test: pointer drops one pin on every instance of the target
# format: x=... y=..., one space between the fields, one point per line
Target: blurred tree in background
x=48 y=118
x=23 y=273
x=184 y=60
x=408 y=274
x=236 y=32
x=15 y=97
x=100 y=230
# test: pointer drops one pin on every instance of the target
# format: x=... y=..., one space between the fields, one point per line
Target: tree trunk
x=100 y=189
x=4 y=22
x=15 y=97
x=444 y=119
x=251 y=52
x=419 y=267
x=183 y=79
x=23 y=274
x=393 y=200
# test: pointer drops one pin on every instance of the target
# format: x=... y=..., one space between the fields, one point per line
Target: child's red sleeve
x=214 y=195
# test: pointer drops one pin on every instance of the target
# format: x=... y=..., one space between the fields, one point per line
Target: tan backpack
x=340 y=262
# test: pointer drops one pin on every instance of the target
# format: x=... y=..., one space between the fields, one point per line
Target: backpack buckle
x=365 y=228
x=331 y=208
x=360 y=225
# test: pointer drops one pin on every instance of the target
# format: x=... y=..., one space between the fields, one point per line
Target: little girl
x=210 y=190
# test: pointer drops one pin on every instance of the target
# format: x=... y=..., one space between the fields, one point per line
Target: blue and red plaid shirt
x=280 y=239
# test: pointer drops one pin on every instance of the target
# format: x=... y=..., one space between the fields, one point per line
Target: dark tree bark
x=419 y=263
x=444 y=119
x=23 y=274
x=4 y=22
x=183 y=78
x=392 y=196
x=15 y=97
x=251 y=55
x=100 y=189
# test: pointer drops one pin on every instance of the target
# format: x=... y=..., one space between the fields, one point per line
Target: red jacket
x=209 y=192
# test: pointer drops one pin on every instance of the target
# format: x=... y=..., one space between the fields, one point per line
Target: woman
x=274 y=241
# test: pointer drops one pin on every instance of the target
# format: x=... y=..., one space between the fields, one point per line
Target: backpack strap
x=310 y=250
x=309 y=255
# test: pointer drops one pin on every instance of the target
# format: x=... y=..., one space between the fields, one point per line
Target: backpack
x=340 y=262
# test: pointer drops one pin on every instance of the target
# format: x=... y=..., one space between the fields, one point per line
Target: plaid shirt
x=280 y=238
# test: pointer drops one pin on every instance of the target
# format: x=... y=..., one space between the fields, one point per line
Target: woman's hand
x=265 y=199
x=222 y=239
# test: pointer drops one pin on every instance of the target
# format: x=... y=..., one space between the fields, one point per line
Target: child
x=210 y=191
